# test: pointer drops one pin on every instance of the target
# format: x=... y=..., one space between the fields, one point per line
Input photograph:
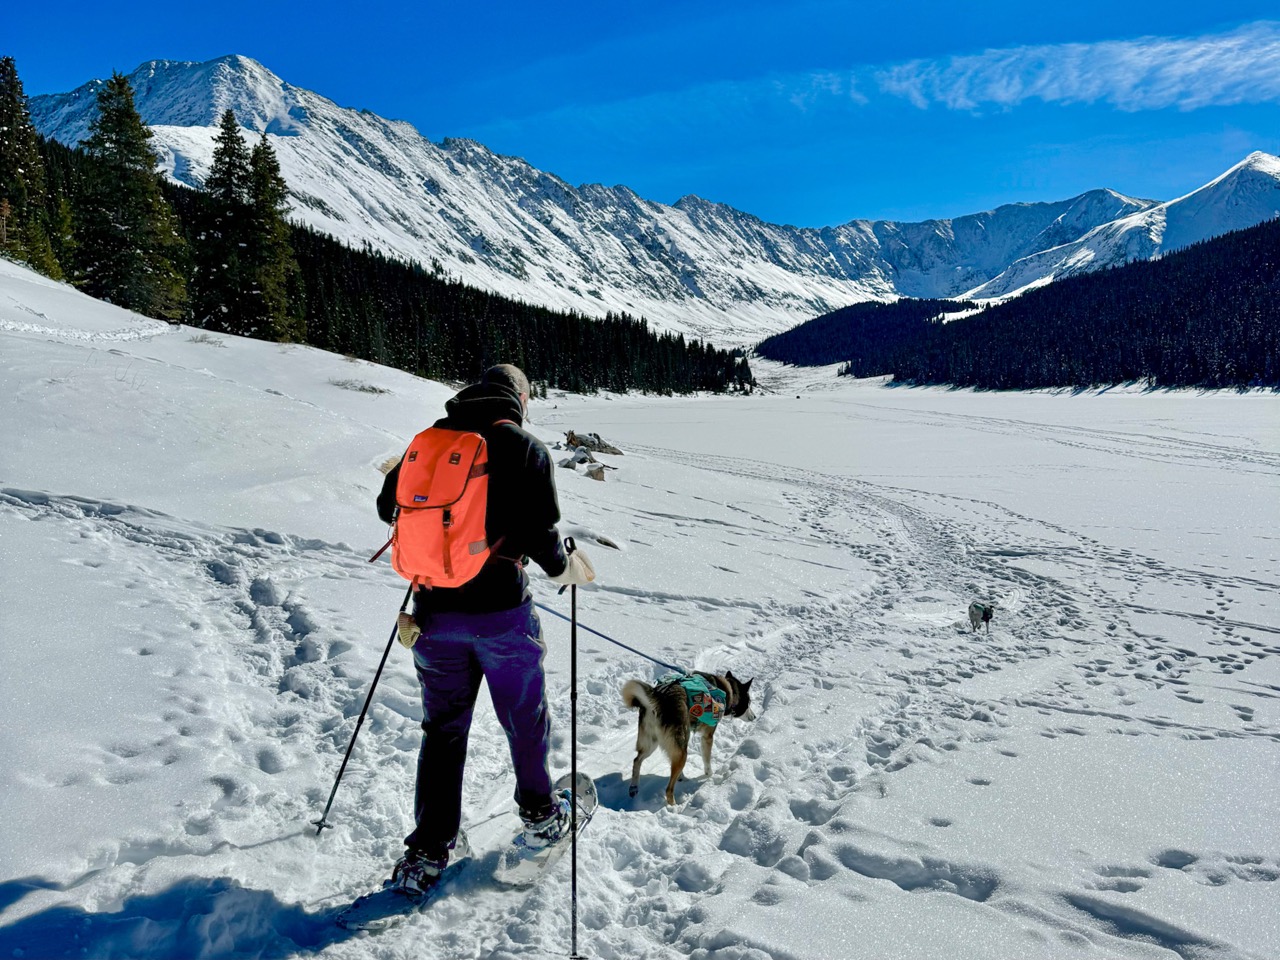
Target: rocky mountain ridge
x=697 y=267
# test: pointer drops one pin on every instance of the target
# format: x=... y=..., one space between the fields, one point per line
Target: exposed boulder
x=580 y=455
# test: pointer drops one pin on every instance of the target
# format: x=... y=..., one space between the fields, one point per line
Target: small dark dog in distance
x=980 y=613
x=667 y=721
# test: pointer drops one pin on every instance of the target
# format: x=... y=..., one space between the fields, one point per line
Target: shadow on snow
x=613 y=790
x=196 y=917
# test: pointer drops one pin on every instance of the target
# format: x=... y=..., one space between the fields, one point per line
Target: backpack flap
x=439 y=537
x=436 y=468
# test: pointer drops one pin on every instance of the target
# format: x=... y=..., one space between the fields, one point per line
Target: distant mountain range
x=1245 y=195
x=698 y=267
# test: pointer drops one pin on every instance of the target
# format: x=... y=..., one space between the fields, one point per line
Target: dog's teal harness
x=706 y=703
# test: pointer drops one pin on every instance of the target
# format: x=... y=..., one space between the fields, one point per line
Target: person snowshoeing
x=487 y=628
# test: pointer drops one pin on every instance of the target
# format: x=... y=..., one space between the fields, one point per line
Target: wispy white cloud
x=1147 y=73
x=805 y=92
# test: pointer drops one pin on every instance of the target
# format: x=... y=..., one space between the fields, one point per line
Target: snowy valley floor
x=189 y=626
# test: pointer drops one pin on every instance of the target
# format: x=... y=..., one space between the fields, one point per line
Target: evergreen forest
x=226 y=259
x=864 y=336
x=1207 y=316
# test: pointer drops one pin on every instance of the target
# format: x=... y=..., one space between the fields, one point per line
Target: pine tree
x=277 y=285
x=24 y=231
x=222 y=272
x=62 y=166
x=228 y=179
x=128 y=245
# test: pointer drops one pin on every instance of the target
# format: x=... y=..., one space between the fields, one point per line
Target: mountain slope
x=500 y=224
x=1206 y=316
x=1247 y=194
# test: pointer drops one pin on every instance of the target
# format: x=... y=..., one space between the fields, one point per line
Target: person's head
x=512 y=377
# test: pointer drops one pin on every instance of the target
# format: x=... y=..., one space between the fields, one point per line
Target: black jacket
x=522 y=508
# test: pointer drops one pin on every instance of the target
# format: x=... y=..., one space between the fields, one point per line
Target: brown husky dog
x=666 y=722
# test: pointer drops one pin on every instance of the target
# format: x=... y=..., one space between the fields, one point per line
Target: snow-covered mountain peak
x=187 y=94
x=1246 y=194
x=1263 y=161
x=691 y=201
x=465 y=147
x=1258 y=167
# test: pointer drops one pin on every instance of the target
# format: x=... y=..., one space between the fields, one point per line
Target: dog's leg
x=677 y=768
x=644 y=746
x=708 y=734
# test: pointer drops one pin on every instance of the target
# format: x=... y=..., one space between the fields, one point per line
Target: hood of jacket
x=481 y=405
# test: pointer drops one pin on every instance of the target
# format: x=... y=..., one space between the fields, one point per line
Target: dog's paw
x=633 y=790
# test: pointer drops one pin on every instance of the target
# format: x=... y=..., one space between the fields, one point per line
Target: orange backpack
x=443 y=489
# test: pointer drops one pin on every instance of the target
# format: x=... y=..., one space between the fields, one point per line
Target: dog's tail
x=637 y=695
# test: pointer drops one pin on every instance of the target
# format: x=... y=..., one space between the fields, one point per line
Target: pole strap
x=382 y=550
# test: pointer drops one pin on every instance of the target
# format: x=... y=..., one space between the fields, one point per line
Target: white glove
x=578 y=572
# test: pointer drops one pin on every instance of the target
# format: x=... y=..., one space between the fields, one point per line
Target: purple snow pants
x=454 y=652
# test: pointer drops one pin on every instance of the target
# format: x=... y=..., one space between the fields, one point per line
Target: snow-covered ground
x=189 y=625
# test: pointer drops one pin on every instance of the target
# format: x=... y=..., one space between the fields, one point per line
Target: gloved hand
x=407 y=629
x=578 y=572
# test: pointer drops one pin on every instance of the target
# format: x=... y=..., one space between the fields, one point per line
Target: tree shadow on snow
x=206 y=917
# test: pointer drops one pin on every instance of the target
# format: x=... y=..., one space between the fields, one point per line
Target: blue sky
x=808 y=112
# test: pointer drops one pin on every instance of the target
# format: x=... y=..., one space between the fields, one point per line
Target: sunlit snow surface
x=189 y=626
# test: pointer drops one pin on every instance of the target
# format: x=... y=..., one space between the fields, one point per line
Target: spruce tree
x=62 y=166
x=128 y=245
x=277 y=288
x=24 y=234
x=222 y=272
x=228 y=178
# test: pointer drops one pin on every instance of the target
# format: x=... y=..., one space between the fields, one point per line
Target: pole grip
x=569 y=547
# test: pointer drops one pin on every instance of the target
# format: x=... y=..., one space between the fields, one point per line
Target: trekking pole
x=570 y=546
x=323 y=821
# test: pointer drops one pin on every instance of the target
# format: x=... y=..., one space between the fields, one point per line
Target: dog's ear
x=747 y=685
x=729 y=675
